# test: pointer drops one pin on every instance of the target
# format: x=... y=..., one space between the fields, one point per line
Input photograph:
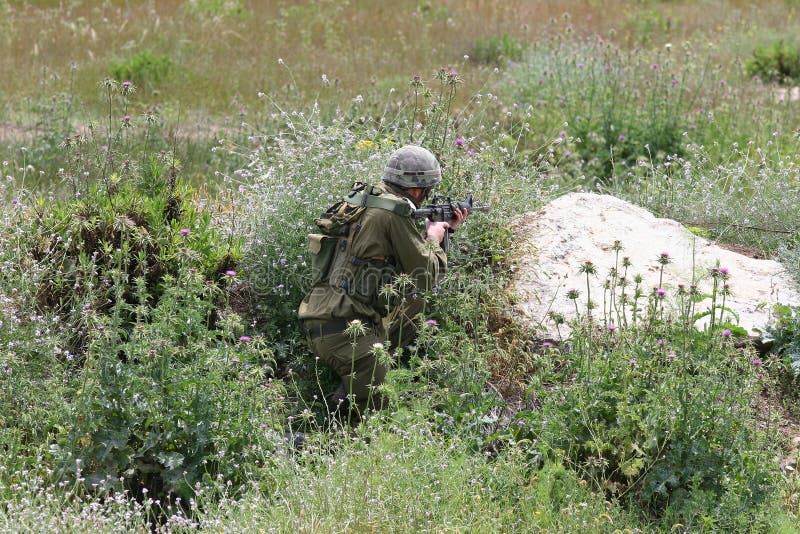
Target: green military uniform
x=386 y=240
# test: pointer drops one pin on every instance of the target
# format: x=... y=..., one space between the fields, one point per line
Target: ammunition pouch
x=323 y=249
x=369 y=284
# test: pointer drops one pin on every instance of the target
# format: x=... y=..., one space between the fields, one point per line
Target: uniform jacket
x=384 y=235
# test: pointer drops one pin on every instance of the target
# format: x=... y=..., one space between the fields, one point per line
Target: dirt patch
x=750 y=252
x=16 y=134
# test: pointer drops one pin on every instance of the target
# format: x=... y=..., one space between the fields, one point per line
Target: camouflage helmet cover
x=412 y=166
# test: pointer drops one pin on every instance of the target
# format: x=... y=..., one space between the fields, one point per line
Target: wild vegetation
x=163 y=163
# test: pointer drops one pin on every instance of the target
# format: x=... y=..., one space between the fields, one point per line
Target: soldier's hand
x=459 y=216
x=434 y=231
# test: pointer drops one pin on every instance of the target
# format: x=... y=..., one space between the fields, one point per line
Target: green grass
x=150 y=357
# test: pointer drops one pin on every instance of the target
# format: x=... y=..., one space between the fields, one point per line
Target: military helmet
x=412 y=166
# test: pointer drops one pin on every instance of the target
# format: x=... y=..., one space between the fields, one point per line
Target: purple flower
x=126 y=84
x=185 y=231
x=724 y=270
x=671 y=356
x=756 y=362
x=547 y=344
x=632 y=361
x=234 y=360
x=660 y=292
x=230 y=272
x=611 y=327
x=14 y=201
x=244 y=338
x=432 y=322
x=621 y=137
x=459 y=142
x=126 y=118
x=726 y=333
x=655 y=65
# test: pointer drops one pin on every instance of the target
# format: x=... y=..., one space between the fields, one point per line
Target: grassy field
x=163 y=163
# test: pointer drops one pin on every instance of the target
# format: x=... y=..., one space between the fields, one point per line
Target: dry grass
x=222 y=62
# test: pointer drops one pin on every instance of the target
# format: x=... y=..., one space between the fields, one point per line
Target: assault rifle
x=443 y=210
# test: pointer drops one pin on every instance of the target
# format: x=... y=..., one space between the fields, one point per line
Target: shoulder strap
x=372 y=199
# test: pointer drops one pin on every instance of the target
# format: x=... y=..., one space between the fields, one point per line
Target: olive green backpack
x=332 y=261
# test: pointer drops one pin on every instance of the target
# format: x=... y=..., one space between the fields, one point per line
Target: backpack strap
x=374 y=199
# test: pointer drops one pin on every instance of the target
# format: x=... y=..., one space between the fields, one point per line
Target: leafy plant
x=496 y=50
x=785 y=337
x=657 y=422
x=776 y=62
x=172 y=402
x=143 y=68
x=120 y=239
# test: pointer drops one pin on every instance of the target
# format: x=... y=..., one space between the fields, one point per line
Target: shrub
x=612 y=108
x=172 y=402
x=659 y=423
x=593 y=111
x=123 y=241
x=785 y=337
x=171 y=390
x=776 y=62
x=143 y=68
x=495 y=50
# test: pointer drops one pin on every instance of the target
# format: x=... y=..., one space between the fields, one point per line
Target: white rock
x=555 y=241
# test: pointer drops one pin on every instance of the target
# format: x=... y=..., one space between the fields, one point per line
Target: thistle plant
x=588 y=268
x=573 y=294
x=719 y=277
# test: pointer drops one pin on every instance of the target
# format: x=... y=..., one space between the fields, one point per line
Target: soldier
x=369 y=238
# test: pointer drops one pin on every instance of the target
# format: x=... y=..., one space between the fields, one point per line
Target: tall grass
x=242 y=41
x=151 y=365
